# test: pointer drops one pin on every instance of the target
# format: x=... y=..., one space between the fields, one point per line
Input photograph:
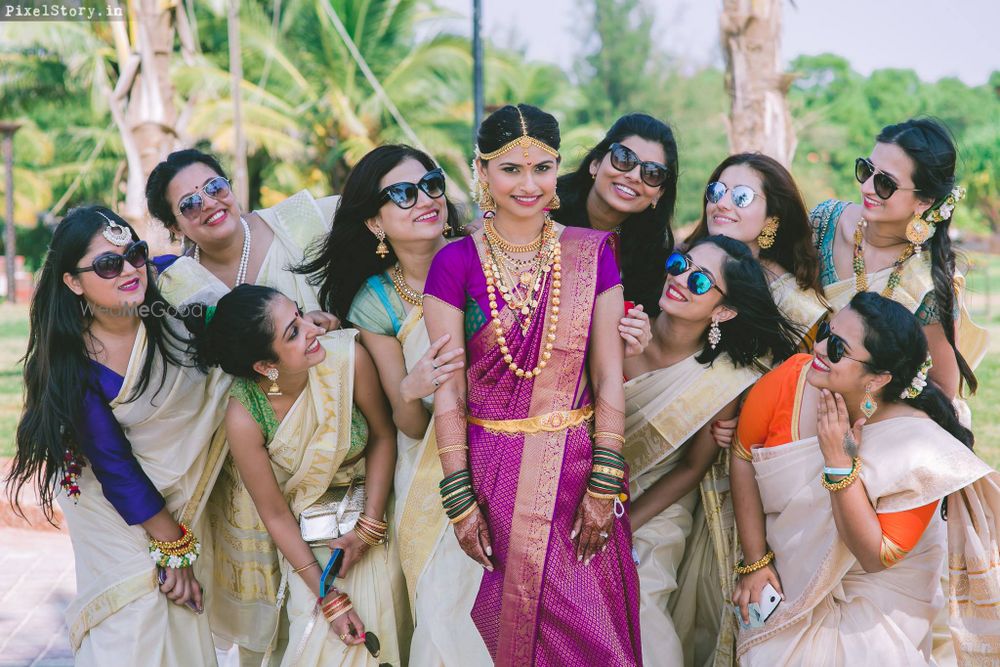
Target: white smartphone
x=769 y=601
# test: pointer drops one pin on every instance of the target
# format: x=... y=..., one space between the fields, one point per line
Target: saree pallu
x=540 y=606
x=246 y=575
x=683 y=590
x=441 y=579
x=834 y=611
x=803 y=308
x=119 y=615
x=307 y=454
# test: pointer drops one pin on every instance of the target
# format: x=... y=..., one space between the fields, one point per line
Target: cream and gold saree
x=119 y=615
x=680 y=550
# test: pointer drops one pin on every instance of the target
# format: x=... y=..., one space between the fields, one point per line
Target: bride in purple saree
x=543 y=396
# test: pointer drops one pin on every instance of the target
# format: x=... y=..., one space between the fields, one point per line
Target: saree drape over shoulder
x=441 y=579
x=119 y=615
x=835 y=613
x=685 y=552
x=246 y=575
x=540 y=606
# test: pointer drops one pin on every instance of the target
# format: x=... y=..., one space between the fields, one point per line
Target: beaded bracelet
x=182 y=552
x=758 y=564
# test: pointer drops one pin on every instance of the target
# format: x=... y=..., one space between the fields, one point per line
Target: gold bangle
x=847 y=481
x=305 y=567
x=338 y=614
x=610 y=435
x=370 y=537
x=472 y=508
x=758 y=564
x=364 y=518
x=452 y=448
x=174 y=544
x=608 y=470
x=601 y=496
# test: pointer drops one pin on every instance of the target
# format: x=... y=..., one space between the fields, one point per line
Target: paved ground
x=36 y=584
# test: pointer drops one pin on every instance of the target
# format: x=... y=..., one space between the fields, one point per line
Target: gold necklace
x=406 y=293
x=505 y=245
x=858 y=264
x=520 y=294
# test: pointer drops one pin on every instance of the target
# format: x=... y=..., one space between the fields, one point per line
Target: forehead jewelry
x=116 y=233
x=524 y=142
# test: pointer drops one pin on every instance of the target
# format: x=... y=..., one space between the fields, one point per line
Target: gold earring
x=868 y=404
x=485 y=200
x=381 y=249
x=272 y=375
x=918 y=231
x=653 y=204
x=555 y=203
x=767 y=235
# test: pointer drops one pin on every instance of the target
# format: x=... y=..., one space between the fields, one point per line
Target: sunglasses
x=624 y=159
x=191 y=206
x=109 y=265
x=699 y=282
x=836 y=346
x=742 y=195
x=885 y=187
x=326 y=579
x=404 y=195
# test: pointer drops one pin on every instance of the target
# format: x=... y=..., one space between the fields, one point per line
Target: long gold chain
x=406 y=293
x=858 y=264
x=520 y=294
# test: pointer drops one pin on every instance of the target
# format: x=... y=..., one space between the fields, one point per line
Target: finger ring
x=434 y=365
x=437 y=383
x=603 y=535
x=344 y=637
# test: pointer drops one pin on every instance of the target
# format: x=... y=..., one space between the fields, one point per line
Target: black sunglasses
x=404 y=195
x=109 y=265
x=885 y=186
x=191 y=206
x=742 y=195
x=836 y=346
x=699 y=282
x=624 y=159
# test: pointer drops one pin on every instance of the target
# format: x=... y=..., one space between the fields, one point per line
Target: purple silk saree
x=540 y=606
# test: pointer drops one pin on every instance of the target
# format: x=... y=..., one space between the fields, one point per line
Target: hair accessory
x=919 y=381
x=767 y=235
x=209 y=314
x=525 y=141
x=115 y=232
x=272 y=375
x=868 y=404
x=943 y=210
x=714 y=334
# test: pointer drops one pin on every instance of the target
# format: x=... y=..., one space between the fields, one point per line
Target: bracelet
x=182 y=552
x=338 y=614
x=305 y=567
x=452 y=448
x=847 y=481
x=608 y=470
x=758 y=564
x=605 y=496
x=179 y=543
x=335 y=602
x=469 y=510
x=827 y=470
x=608 y=434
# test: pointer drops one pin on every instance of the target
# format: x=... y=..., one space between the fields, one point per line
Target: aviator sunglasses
x=191 y=206
x=404 y=195
x=885 y=186
x=625 y=160
x=699 y=282
x=836 y=346
x=742 y=195
x=109 y=265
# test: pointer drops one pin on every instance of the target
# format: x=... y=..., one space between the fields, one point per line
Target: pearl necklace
x=241 y=272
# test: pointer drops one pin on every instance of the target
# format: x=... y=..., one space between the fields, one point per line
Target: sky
x=936 y=38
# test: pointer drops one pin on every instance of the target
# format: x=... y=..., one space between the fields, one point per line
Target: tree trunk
x=750 y=31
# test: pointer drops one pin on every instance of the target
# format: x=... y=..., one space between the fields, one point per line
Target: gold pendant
x=526 y=279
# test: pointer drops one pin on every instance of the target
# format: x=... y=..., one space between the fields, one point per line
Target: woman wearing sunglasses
x=717 y=319
x=532 y=495
x=896 y=242
x=842 y=463
x=628 y=183
x=112 y=416
x=371 y=269
x=224 y=247
x=306 y=419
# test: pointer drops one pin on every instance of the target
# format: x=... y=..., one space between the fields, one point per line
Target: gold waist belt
x=550 y=421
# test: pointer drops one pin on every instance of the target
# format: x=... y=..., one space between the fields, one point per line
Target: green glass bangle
x=457 y=500
x=454 y=476
x=452 y=486
x=458 y=511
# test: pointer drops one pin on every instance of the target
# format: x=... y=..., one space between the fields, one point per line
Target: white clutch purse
x=333 y=514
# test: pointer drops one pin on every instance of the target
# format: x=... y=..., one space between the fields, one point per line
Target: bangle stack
x=337 y=607
x=182 y=552
x=457 y=495
x=758 y=564
x=372 y=532
x=842 y=484
x=607 y=477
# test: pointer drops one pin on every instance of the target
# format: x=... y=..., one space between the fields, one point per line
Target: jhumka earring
x=272 y=375
x=767 y=235
x=868 y=404
x=381 y=249
x=714 y=334
x=555 y=203
x=486 y=203
x=918 y=231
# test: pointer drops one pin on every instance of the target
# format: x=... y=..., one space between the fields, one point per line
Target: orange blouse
x=769 y=417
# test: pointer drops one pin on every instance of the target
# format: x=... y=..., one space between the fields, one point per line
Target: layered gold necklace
x=403 y=289
x=521 y=293
x=858 y=264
